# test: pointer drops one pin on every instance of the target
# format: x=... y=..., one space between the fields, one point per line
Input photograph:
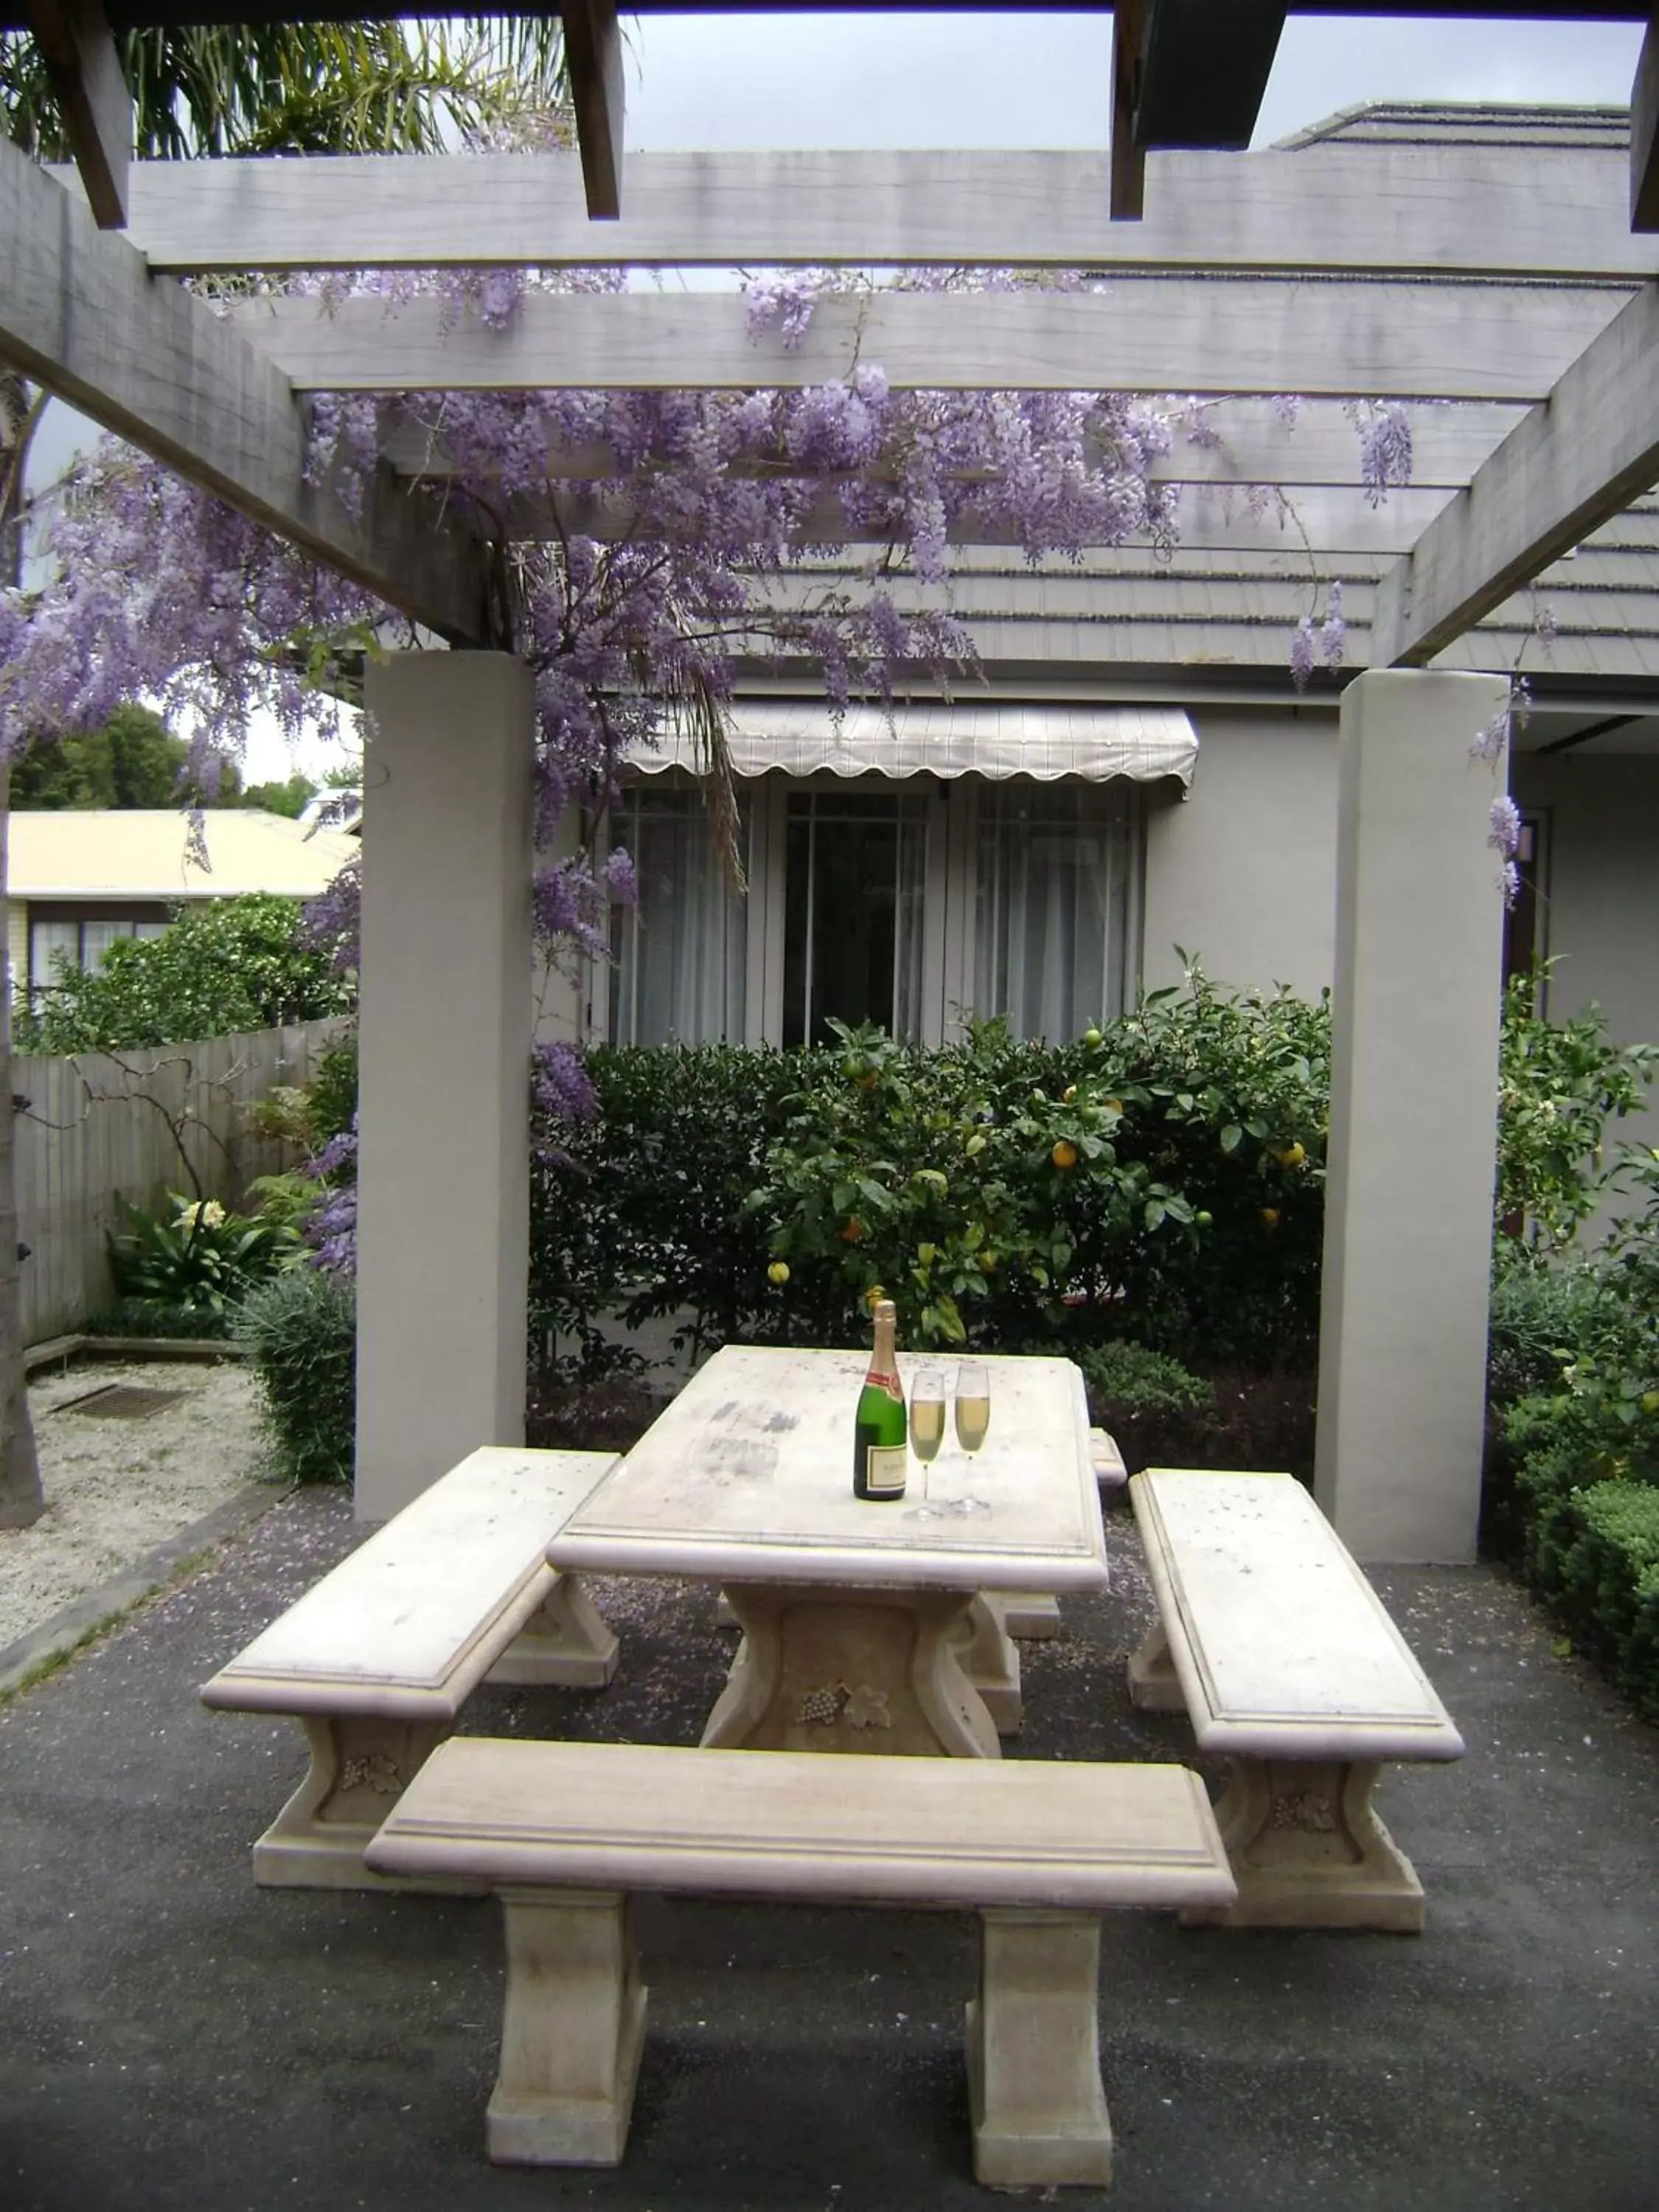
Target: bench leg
x=572 y=2030
x=1032 y=1615
x=1153 y=1684
x=360 y=1766
x=990 y=1659
x=1307 y=1850
x=565 y=1644
x=1039 y=2111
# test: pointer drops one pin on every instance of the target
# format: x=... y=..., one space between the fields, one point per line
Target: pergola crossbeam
x=1644 y=136
x=1207 y=67
x=78 y=48
x=593 y=57
x=80 y=315
x=1182 y=334
x=1317 y=525
x=1244 y=441
x=1570 y=464
x=1370 y=210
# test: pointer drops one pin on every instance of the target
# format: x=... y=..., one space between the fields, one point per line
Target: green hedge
x=1187 y=1214
x=1598 y=1562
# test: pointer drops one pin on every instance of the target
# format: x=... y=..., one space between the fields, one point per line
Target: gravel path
x=117 y=1488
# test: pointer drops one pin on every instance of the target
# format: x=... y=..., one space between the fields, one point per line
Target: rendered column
x=1408 y=1199
x=444 y=1056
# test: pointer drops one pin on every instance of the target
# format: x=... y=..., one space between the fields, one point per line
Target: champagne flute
x=973 y=1405
x=926 y=1417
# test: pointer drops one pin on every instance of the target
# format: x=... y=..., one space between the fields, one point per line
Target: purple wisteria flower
x=1503 y=835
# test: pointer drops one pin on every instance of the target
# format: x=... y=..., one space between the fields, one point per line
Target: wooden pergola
x=1341 y=272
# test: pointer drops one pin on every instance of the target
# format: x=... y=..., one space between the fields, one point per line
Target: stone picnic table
x=854 y=1614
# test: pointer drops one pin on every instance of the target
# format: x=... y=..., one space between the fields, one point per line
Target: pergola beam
x=1182 y=334
x=593 y=59
x=1645 y=135
x=80 y=315
x=1568 y=466
x=1318 y=525
x=78 y=48
x=1206 y=68
x=1126 y=195
x=1244 y=442
x=1371 y=209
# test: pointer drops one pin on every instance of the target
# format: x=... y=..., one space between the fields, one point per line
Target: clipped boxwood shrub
x=301 y=1332
x=1606 y=1568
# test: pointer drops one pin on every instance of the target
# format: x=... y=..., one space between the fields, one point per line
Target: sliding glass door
x=855 y=879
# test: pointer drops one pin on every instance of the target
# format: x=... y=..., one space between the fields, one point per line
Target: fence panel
x=104 y=1126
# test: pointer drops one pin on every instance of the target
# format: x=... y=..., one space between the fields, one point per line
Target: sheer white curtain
x=1052 y=905
x=679 y=954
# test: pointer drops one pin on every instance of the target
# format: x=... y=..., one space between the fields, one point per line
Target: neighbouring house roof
x=945 y=739
x=127 y=853
x=1460 y=122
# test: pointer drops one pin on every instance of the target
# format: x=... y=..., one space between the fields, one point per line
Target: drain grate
x=124 y=1401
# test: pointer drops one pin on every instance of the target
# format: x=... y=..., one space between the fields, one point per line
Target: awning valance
x=969 y=738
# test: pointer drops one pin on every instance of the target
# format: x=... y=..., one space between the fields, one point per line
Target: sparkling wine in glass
x=927 y=1414
x=973 y=1405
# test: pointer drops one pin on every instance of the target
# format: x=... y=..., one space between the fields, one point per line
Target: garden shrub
x=1560 y=1084
x=1538 y=1314
x=1605 y=1545
x=301 y=1332
x=224 y=967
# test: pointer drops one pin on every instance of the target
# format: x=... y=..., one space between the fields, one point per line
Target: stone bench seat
x=377 y=1660
x=565 y=1831
x=1288 y=1663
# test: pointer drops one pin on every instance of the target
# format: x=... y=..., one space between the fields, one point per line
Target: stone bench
x=565 y=1831
x=377 y=1660
x=1287 y=1662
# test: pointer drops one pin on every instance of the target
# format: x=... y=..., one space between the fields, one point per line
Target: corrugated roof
x=1453 y=122
x=144 y=853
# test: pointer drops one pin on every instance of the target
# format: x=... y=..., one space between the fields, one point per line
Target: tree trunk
x=22 y=1500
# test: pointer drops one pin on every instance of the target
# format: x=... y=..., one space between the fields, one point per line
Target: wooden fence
x=100 y=1127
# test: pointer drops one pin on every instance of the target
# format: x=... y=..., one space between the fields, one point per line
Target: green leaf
x=1231 y=1137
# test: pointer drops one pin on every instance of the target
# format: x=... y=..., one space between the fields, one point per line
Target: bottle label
x=884 y=1470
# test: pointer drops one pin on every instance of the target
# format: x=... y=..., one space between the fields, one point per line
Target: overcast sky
x=891 y=79
x=900 y=80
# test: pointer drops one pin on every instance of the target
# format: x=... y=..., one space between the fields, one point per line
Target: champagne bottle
x=878 y=1428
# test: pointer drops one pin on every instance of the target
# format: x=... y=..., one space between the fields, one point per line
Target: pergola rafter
x=1336 y=209
x=1201 y=336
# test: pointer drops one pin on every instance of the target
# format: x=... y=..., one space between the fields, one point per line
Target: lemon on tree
x=778 y=1273
x=1064 y=1153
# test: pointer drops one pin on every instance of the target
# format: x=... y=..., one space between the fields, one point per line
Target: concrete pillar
x=1414 y=1118
x=444 y=1048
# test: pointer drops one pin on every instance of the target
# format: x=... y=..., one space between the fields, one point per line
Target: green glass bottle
x=878 y=1430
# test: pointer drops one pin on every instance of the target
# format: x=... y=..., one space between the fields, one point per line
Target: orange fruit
x=1063 y=1155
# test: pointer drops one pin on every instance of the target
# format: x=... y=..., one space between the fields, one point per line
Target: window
x=1051 y=921
x=82 y=936
x=678 y=955
x=854 y=873
x=892 y=901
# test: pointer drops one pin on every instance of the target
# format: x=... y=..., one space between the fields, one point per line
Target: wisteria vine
x=641 y=591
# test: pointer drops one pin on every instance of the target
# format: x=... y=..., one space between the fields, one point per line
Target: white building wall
x=1243 y=872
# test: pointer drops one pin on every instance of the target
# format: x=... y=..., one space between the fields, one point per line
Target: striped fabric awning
x=1047 y=742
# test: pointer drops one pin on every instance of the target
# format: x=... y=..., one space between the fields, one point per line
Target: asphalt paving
x=172 y=2037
